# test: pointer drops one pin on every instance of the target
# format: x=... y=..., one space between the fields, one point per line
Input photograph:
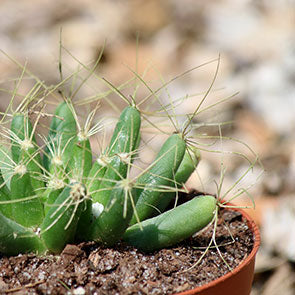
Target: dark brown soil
x=90 y=269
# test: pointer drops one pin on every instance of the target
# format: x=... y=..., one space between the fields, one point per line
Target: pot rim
x=257 y=240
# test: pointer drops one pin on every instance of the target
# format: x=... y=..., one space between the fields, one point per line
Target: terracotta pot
x=239 y=281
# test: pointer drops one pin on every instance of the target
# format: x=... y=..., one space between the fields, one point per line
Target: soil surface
x=90 y=269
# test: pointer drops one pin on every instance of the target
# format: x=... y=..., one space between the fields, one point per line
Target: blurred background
x=162 y=40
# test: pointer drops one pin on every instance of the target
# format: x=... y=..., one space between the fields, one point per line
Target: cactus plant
x=55 y=194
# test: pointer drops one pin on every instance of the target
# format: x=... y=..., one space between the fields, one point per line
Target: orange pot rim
x=249 y=259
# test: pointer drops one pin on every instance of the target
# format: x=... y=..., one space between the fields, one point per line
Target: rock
x=278 y=228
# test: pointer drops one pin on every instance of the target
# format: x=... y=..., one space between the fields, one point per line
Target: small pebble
x=79 y=291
